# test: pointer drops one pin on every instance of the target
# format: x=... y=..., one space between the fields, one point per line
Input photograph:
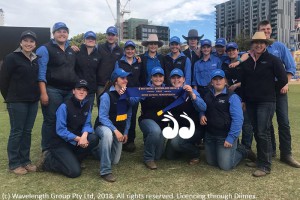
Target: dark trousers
x=65 y=159
x=131 y=131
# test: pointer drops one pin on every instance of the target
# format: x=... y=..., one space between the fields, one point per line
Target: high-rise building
x=297 y=5
x=129 y=27
x=1 y=17
x=241 y=17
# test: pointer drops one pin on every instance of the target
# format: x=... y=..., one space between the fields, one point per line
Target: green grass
x=172 y=178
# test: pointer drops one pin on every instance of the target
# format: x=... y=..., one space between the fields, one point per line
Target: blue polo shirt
x=203 y=69
x=151 y=63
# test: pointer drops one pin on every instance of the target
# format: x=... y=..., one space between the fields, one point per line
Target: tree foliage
x=243 y=42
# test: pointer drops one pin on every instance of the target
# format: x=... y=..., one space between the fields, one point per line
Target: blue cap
x=175 y=39
x=221 y=42
x=157 y=70
x=217 y=72
x=206 y=42
x=90 y=34
x=59 y=25
x=129 y=43
x=177 y=72
x=231 y=45
x=119 y=72
x=112 y=30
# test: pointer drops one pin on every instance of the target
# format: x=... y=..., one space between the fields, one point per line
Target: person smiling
x=19 y=88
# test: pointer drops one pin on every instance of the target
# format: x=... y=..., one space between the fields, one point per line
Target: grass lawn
x=174 y=179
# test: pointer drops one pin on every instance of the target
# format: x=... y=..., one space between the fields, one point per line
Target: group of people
x=225 y=92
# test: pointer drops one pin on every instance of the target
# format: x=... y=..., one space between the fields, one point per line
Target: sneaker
x=129 y=147
x=288 y=159
x=19 y=171
x=260 y=173
x=151 y=165
x=40 y=163
x=251 y=164
x=30 y=168
x=109 y=177
x=194 y=161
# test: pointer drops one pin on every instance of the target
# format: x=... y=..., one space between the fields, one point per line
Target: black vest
x=76 y=115
x=160 y=58
x=217 y=113
x=61 y=67
x=135 y=79
x=169 y=66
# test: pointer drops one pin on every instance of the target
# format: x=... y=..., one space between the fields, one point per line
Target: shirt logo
x=86 y=113
x=179 y=62
x=117 y=54
x=214 y=65
x=263 y=62
x=95 y=59
x=70 y=53
x=221 y=101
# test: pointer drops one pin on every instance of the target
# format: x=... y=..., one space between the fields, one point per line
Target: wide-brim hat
x=152 y=38
x=193 y=33
x=260 y=36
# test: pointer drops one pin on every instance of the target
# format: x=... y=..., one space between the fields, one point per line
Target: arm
x=237 y=118
x=43 y=60
x=61 y=125
x=280 y=73
x=197 y=101
x=5 y=75
x=104 y=112
x=187 y=71
x=87 y=127
x=117 y=65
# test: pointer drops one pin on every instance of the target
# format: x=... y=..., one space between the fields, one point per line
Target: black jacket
x=258 y=78
x=87 y=67
x=108 y=62
x=18 y=78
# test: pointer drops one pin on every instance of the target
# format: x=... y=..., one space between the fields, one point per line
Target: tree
x=243 y=42
x=77 y=40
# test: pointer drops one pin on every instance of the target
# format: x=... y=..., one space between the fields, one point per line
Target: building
x=297 y=5
x=129 y=27
x=1 y=17
x=241 y=17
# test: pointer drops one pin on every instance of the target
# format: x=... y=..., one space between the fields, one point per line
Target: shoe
x=30 y=168
x=194 y=161
x=40 y=163
x=288 y=159
x=151 y=165
x=251 y=155
x=260 y=173
x=19 y=171
x=109 y=177
x=129 y=147
x=251 y=164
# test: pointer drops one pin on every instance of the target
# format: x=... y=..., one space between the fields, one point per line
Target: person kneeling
x=74 y=138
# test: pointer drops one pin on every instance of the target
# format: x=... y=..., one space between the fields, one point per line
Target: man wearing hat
x=56 y=77
x=177 y=59
x=259 y=97
x=88 y=60
x=220 y=47
x=73 y=139
x=151 y=58
x=193 y=52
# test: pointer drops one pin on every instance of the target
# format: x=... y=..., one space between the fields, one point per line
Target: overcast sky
x=81 y=16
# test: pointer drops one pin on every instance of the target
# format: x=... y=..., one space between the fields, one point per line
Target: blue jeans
x=261 y=115
x=110 y=149
x=186 y=146
x=66 y=158
x=219 y=156
x=247 y=131
x=56 y=97
x=153 y=140
x=283 y=125
x=22 y=116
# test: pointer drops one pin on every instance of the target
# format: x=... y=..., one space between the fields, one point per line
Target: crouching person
x=74 y=138
x=223 y=119
x=112 y=133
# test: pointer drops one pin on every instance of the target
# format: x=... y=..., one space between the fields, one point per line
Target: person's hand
x=244 y=107
x=125 y=138
x=234 y=64
x=75 y=48
x=138 y=58
x=203 y=120
x=119 y=136
x=227 y=144
x=285 y=89
x=189 y=89
x=232 y=87
x=44 y=99
x=122 y=90
x=83 y=142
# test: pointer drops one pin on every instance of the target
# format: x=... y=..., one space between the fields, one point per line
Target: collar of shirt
x=180 y=55
x=66 y=44
x=124 y=59
x=224 y=91
x=147 y=55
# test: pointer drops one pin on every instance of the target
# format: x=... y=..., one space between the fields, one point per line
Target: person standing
x=220 y=47
x=19 y=88
x=259 y=96
x=56 y=78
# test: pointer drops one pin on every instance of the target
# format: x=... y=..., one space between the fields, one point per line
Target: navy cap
x=82 y=84
x=112 y=30
x=175 y=39
x=90 y=34
x=119 y=72
x=221 y=42
x=129 y=43
x=59 y=25
x=157 y=70
x=177 y=72
x=231 y=45
x=28 y=33
x=206 y=42
x=217 y=72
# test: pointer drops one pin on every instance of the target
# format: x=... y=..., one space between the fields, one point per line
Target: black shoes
x=129 y=147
